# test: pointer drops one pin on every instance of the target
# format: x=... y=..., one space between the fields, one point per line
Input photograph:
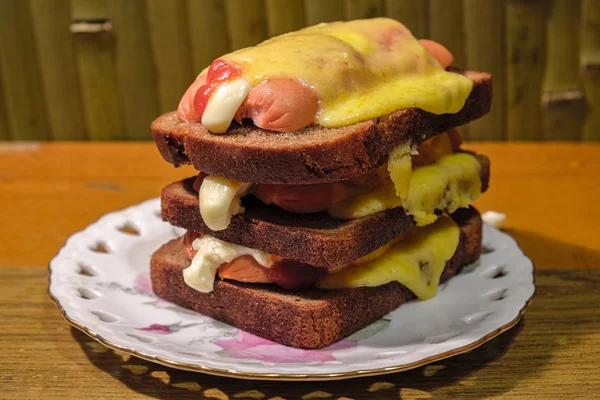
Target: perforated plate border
x=503 y=274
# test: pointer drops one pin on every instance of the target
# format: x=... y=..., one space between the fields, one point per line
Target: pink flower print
x=247 y=346
x=161 y=329
x=158 y=329
x=143 y=283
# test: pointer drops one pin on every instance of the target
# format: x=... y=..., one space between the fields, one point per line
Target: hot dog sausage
x=438 y=51
x=284 y=105
x=186 y=111
x=288 y=274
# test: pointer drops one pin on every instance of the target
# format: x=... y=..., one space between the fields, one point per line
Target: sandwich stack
x=331 y=185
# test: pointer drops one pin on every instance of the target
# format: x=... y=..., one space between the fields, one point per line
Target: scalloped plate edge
x=281 y=376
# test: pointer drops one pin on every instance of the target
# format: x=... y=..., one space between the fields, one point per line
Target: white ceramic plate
x=107 y=294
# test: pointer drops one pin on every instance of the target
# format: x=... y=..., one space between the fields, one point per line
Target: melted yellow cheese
x=360 y=70
x=375 y=254
x=451 y=182
x=400 y=169
x=454 y=181
x=361 y=205
x=416 y=262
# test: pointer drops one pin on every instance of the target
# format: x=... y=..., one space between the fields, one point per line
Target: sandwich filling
x=432 y=178
x=415 y=259
x=334 y=74
x=210 y=257
x=451 y=182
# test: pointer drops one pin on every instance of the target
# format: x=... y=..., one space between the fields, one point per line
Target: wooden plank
x=246 y=23
x=318 y=11
x=89 y=10
x=51 y=20
x=136 y=74
x=590 y=63
x=546 y=176
x=446 y=27
x=284 y=16
x=356 y=9
x=412 y=13
x=21 y=80
x=4 y=128
x=563 y=99
x=168 y=24
x=484 y=46
x=96 y=62
x=551 y=354
x=208 y=32
x=525 y=43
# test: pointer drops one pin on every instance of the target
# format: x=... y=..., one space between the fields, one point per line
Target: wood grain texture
x=562 y=66
x=95 y=52
x=544 y=56
x=4 y=129
x=563 y=99
x=60 y=79
x=99 y=88
x=446 y=26
x=21 y=79
x=591 y=81
x=136 y=76
x=89 y=10
x=485 y=43
x=168 y=24
x=50 y=191
x=284 y=16
x=318 y=11
x=358 y=9
x=550 y=354
x=412 y=13
x=590 y=65
x=525 y=55
x=207 y=31
x=246 y=22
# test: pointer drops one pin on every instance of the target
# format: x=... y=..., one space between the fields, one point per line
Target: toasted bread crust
x=315 y=239
x=312 y=318
x=313 y=154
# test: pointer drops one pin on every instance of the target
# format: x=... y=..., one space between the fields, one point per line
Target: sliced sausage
x=283 y=105
x=245 y=269
x=186 y=111
x=296 y=198
x=437 y=50
x=286 y=273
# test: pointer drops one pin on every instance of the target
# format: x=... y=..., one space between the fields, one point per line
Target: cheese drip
x=454 y=181
x=400 y=168
x=211 y=254
x=450 y=183
x=359 y=69
x=219 y=199
x=416 y=262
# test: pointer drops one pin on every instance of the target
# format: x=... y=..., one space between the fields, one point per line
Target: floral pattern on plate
x=100 y=282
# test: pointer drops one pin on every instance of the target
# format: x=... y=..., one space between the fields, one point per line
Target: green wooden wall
x=103 y=69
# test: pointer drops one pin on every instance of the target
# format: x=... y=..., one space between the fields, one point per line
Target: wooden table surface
x=550 y=193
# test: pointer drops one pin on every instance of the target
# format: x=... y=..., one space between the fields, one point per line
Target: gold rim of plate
x=290 y=377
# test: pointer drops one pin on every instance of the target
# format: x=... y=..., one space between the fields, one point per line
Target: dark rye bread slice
x=315 y=239
x=313 y=154
x=312 y=318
